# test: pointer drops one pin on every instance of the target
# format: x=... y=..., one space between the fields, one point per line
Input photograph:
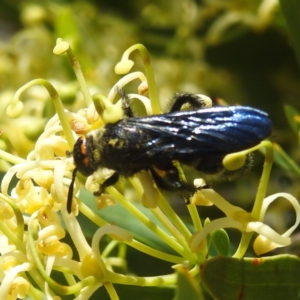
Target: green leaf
x=65 y=24
x=293 y=117
x=284 y=161
x=220 y=241
x=187 y=286
x=290 y=10
x=119 y=216
x=127 y=292
x=268 y=278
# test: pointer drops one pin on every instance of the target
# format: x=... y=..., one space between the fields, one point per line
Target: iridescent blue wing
x=219 y=130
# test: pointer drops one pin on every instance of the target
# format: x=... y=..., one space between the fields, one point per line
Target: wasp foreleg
x=108 y=182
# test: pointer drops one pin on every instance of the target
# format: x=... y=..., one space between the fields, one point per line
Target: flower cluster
x=34 y=218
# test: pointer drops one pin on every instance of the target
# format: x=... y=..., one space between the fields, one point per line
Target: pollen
x=113 y=142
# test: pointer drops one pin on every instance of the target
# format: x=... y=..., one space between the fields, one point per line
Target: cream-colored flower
x=239 y=219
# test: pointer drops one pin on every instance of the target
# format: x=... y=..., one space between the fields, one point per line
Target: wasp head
x=82 y=157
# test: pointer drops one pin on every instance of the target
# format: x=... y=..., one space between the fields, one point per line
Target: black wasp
x=198 y=137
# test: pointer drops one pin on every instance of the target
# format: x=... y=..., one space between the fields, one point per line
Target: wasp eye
x=81 y=157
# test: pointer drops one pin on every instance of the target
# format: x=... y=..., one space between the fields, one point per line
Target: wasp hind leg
x=108 y=182
x=126 y=103
x=167 y=178
x=194 y=101
x=212 y=166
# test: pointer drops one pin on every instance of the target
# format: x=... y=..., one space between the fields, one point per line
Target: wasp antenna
x=70 y=192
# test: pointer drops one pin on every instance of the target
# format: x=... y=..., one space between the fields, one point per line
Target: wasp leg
x=108 y=182
x=126 y=104
x=193 y=100
x=214 y=166
x=208 y=164
x=167 y=178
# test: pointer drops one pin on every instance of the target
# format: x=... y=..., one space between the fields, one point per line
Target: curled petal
x=143 y=88
x=104 y=200
x=198 y=241
x=21 y=285
x=117 y=233
x=212 y=196
x=144 y=100
x=268 y=233
x=292 y=200
x=199 y=199
x=268 y=238
x=70 y=220
x=43 y=178
x=150 y=194
x=8 y=177
x=91 y=267
x=56 y=249
x=263 y=245
x=7 y=283
x=123 y=81
x=52 y=231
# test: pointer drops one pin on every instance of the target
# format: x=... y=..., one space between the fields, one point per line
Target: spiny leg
x=126 y=103
x=167 y=178
x=108 y=182
x=213 y=165
x=195 y=101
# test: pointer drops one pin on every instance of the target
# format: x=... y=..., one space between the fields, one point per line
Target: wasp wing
x=216 y=130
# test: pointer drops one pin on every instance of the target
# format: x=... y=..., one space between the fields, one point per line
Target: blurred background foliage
x=235 y=50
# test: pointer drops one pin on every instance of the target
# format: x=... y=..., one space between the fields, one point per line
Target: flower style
x=238 y=218
x=34 y=218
